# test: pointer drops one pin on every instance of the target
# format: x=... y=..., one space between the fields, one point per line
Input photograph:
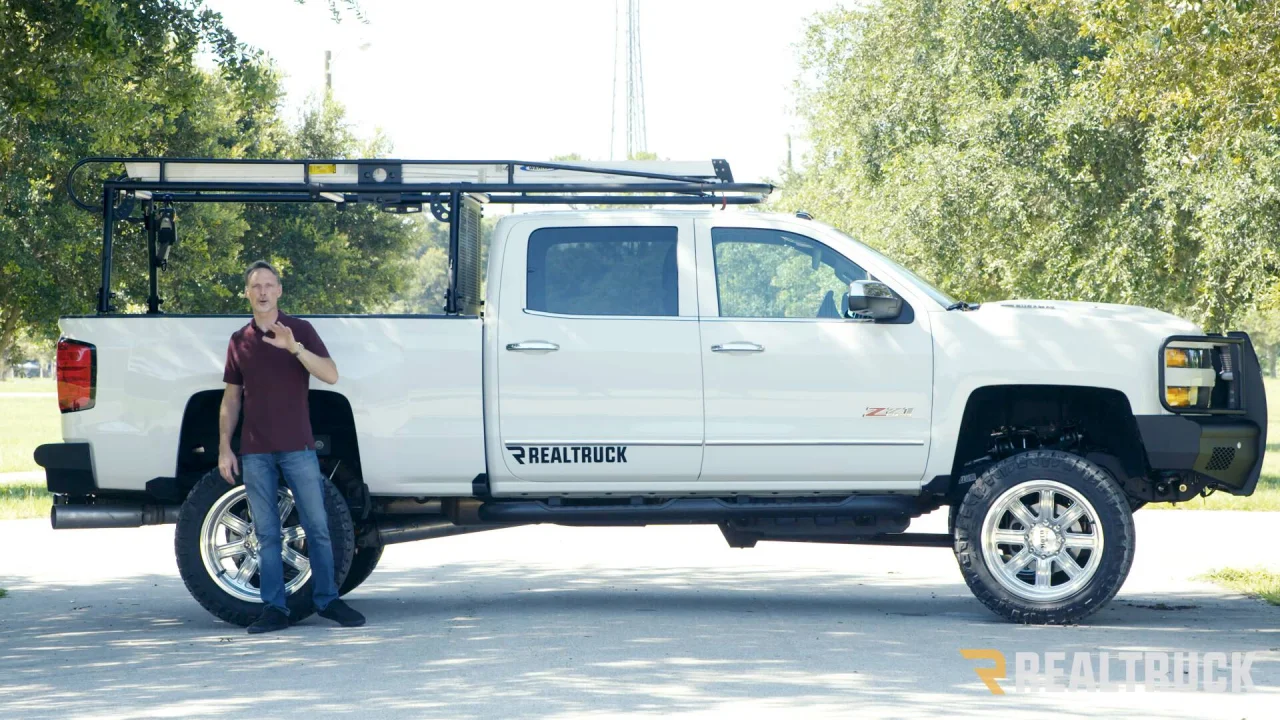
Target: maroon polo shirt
x=276 y=415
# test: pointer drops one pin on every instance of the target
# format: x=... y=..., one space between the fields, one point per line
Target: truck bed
x=413 y=382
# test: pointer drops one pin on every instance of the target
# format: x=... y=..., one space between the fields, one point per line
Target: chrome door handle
x=533 y=346
x=738 y=347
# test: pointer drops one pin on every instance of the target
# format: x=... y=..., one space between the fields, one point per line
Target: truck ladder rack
x=454 y=191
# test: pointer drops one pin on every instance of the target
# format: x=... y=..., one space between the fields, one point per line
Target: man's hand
x=283 y=336
x=228 y=465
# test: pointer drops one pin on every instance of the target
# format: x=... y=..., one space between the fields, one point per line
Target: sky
x=531 y=80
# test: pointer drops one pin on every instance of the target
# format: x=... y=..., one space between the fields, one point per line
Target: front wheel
x=1044 y=537
x=217 y=550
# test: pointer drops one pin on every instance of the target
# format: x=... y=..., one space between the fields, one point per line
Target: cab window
x=763 y=273
x=603 y=271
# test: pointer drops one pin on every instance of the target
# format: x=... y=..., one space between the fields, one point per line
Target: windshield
x=937 y=295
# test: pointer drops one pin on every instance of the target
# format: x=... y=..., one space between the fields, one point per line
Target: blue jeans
x=261 y=481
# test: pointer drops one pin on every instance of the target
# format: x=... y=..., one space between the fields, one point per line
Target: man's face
x=263 y=290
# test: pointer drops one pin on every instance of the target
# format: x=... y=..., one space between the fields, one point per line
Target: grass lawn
x=25 y=385
x=20 y=501
x=26 y=421
x=1258 y=582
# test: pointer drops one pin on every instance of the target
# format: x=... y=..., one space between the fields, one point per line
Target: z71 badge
x=887 y=412
x=545 y=454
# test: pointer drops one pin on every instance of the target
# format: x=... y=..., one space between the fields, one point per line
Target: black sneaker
x=342 y=614
x=270 y=621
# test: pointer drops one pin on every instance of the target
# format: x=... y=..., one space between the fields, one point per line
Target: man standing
x=270 y=362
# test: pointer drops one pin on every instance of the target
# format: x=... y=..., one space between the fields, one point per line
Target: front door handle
x=533 y=346
x=738 y=347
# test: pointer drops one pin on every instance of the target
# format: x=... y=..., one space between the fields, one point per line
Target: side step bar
x=740 y=539
x=679 y=511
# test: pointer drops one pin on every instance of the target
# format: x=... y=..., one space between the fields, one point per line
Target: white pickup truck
x=761 y=372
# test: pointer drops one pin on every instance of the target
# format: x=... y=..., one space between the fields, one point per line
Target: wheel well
x=332 y=423
x=1088 y=420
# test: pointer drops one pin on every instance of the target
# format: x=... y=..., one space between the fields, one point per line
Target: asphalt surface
x=15 y=478
x=563 y=622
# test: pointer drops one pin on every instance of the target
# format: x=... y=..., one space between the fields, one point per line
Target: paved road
x=15 y=478
x=561 y=622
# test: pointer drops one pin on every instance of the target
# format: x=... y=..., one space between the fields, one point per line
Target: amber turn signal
x=1180 y=396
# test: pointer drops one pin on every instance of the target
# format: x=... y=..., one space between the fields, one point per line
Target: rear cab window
x=628 y=271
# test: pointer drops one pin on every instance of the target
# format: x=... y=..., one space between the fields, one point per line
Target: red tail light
x=77 y=375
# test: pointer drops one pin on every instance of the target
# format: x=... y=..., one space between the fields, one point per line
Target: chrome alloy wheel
x=1042 y=541
x=230 y=549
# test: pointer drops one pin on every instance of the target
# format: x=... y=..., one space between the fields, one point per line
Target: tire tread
x=186 y=546
x=971 y=514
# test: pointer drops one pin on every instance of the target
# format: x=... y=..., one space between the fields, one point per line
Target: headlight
x=1189 y=377
x=1185 y=358
x=1201 y=373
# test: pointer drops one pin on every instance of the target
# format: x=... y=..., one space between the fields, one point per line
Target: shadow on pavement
x=468 y=640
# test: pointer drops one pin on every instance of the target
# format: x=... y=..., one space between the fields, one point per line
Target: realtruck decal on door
x=572 y=454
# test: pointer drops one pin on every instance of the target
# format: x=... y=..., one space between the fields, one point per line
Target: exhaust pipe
x=390 y=531
x=81 y=517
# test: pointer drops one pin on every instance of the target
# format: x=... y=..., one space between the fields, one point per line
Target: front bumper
x=1224 y=449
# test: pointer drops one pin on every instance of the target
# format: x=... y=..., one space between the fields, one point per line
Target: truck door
x=598 y=363
x=795 y=394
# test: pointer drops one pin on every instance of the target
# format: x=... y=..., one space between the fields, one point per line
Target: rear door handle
x=533 y=346
x=738 y=347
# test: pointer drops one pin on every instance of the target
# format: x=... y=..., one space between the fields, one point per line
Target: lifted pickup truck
x=764 y=373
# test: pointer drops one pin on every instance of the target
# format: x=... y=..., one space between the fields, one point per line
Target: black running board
x=683 y=511
x=749 y=539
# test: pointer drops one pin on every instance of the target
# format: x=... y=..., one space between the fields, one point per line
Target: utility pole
x=329 y=56
x=636 y=140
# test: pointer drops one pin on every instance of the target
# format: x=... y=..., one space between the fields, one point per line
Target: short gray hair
x=261 y=265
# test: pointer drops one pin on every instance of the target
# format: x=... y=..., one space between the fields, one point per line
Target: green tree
x=98 y=77
x=1263 y=326
x=428 y=274
x=1040 y=149
x=1262 y=322
x=93 y=77
x=352 y=260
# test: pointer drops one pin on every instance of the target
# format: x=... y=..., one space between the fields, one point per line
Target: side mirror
x=869 y=299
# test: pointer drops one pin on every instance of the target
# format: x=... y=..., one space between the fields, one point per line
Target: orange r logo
x=988 y=675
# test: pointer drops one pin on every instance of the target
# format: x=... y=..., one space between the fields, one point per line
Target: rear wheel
x=217 y=550
x=1044 y=537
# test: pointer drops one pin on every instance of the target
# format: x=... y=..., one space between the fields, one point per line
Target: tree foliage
x=99 y=77
x=1113 y=150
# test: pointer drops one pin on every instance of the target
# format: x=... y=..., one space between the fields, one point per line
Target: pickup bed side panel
x=413 y=383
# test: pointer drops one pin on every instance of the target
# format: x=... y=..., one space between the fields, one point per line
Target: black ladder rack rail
x=382 y=181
